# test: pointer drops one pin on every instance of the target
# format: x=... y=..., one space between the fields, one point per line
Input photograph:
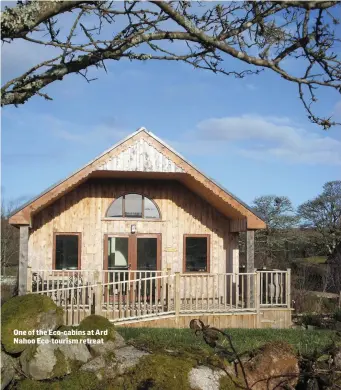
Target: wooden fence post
x=257 y=297
x=288 y=285
x=177 y=296
x=98 y=298
x=168 y=286
x=23 y=259
x=29 y=280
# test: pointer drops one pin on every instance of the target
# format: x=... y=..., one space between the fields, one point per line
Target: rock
x=204 y=378
x=39 y=362
x=337 y=358
x=8 y=369
x=25 y=313
x=75 y=352
x=108 y=347
x=275 y=360
x=47 y=361
x=119 y=341
x=102 y=327
x=128 y=357
x=94 y=365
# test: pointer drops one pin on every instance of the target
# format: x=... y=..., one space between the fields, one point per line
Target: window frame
x=208 y=267
x=124 y=207
x=79 y=264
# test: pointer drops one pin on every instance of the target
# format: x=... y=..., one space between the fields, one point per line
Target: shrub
x=337 y=315
x=311 y=319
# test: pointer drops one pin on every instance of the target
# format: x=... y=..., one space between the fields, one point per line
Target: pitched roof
x=143 y=154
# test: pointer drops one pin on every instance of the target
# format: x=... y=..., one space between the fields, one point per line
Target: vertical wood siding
x=83 y=211
x=140 y=156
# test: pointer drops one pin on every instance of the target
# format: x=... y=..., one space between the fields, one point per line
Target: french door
x=134 y=252
x=124 y=254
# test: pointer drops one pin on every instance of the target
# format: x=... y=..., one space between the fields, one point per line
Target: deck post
x=288 y=284
x=29 y=279
x=98 y=299
x=232 y=267
x=177 y=296
x=250 y=261
x=23 y=259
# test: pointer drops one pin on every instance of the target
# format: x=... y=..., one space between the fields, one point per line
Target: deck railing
x=217 y=292
x=122 y=295
x=274 y=288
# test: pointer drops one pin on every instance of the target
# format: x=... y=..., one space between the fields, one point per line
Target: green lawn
x=314 y=259
x=244 y=339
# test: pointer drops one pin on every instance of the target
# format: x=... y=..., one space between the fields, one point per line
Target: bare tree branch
x=17 y=22
x=260 y=35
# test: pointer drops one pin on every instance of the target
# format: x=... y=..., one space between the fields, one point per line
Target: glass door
x=146 y=253
x=147 y=262
x=116 y=262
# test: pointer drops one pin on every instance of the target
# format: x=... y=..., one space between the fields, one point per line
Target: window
x=67 y=251
x=196 y=253
x=133 y=206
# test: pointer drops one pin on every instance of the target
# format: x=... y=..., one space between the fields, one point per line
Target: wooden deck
x=160 y=299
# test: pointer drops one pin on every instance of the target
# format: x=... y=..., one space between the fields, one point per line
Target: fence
x=128 y=295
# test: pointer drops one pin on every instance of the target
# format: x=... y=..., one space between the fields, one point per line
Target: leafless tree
x=217 y=37
x=9 y=250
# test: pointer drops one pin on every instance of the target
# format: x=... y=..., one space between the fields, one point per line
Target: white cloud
x=271 y=138
x=337 y=109
x=74 y=132
x=105 y=131
x=251 y=87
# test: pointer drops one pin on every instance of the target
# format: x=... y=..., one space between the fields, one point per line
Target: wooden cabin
x=141 y=236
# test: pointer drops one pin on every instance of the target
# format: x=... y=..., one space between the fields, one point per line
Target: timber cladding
x=143 y=152
x=83 y=210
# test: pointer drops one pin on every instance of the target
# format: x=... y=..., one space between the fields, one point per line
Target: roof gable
x=141 y=156
x=142 y=152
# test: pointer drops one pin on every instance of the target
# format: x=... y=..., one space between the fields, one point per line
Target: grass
x=315 y=259
x=156 y=339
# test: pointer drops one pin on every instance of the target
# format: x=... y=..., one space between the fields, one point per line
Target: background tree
x=221 y=38
x=323 y=214
x=9 y=249
x=278 y=213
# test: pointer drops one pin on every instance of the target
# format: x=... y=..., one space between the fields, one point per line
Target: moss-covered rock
x=229 y=383
x=48 y=361
x=100 y=327
x=27 y=313
x=157 y=372
x=9 y=366
x=75 y=381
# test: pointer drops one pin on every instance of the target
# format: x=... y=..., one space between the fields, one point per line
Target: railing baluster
x=196 y=293
x=157 y=281
x=207 y=292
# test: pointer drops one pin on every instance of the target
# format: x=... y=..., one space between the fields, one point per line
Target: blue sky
x=251 y=135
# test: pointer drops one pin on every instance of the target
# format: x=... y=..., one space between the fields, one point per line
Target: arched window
x=133 y=206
